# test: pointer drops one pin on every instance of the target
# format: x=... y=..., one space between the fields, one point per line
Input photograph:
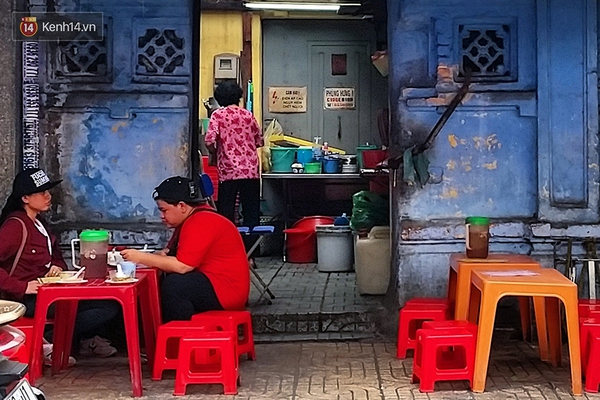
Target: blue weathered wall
x=521 y=147
x=116 y=114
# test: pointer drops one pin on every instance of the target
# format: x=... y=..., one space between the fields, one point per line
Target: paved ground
x=317 y=343
x=326 y=370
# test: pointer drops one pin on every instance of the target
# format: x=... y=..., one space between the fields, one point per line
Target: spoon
x=120 y=273
x=78 y=274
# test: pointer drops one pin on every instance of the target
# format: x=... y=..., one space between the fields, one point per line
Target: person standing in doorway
x=234 y=136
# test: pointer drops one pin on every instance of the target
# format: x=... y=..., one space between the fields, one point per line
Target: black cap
x=178 y=188
x=32 y=180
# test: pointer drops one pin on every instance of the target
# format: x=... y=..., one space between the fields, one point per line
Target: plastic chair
x=225 y=371
x=592 y=379
x=233 y=321
x=207 y=189
x=410 y=320
x=443 y=355
x=589 y=308
x=586 y=325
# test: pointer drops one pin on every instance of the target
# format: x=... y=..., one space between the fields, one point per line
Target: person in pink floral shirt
x=234 y=135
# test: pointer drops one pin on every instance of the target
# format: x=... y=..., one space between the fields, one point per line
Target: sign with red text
x=287 y=99
x=339 y=98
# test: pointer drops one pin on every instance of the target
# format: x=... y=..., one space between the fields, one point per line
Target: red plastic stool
x=432 y=363
x=433 y=300
x=585 y=326
x=589 y=308
x=231 y=321
x=224 y=372
x=411 y=318
x=168 y=345
x=592 y=379
x=451 y=324
x=23 y=355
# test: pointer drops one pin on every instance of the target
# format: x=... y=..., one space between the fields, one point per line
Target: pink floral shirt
x=236 y=135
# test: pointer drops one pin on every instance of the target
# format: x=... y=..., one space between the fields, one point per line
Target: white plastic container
x=335 y=248
x=373 y=258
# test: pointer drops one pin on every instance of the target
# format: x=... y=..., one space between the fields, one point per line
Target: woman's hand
x=32 y=287
x=54 y=270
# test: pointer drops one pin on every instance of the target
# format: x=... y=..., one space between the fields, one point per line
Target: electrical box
x=227 y=66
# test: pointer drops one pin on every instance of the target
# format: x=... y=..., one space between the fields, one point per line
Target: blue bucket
x=304 y=155
x=331 y=165
x=282 y=159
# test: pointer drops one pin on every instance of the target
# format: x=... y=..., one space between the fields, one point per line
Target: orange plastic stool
x=586 y=325
x=589 y=308
x=224 y=372
x=168 y=345
x=231 y=321
x=432 y=363
x=411 y=318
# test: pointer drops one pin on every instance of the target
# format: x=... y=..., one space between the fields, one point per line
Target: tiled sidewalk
x=309 y=304
x=325 y=370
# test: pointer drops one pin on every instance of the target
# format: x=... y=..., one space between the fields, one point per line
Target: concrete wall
x=9 y=110
x=520 y=148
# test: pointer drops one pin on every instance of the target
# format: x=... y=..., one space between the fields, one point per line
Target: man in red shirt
x=205 y=261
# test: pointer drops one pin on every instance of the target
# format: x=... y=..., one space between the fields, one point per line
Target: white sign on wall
x=287 y=99
x=339 y=98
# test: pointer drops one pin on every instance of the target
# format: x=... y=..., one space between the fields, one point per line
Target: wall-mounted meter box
x=227 y=66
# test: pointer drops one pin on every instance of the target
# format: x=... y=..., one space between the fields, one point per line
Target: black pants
x=91 y=320
x=249 y=191
x=183 y=295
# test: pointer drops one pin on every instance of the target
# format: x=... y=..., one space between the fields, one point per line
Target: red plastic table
x=152 y=275
x=67 y=295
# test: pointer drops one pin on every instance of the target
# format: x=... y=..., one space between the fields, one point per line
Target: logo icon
x=28 y=26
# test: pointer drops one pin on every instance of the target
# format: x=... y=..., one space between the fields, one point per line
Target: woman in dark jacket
x=28 y=250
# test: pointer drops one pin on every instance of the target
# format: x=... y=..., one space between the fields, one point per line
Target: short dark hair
x=228 y=93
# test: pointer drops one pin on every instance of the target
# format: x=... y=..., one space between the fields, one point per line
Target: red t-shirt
x=212 y=244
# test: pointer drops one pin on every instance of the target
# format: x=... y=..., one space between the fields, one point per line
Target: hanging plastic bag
x=274 y=128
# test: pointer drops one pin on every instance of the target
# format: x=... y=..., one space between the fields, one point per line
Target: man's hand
x=32 y=287
x=133 y=255
x=54 y=270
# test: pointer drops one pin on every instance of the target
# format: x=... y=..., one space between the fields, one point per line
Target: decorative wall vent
x=487 y=50
x=161 y=52
x=81 y=58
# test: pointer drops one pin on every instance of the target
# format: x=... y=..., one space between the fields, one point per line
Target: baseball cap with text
x=32 y=180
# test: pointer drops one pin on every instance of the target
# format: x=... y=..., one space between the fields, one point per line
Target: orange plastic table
x=548 y=284
x=68 y=295
x=459 y=289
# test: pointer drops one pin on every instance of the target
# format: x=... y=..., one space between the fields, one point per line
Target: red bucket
x=373 y=157
x=301 y=245
x=309 y=223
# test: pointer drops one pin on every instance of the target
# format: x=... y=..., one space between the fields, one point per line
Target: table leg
x=451 y=295
x=463 y=291
x=39 y=322
x=541 y=325
x=571 y=314
x=130 y=318
x=485 y=330
x=64 y=323
x=525 y=312
x=148 y=320
x=554 y=334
